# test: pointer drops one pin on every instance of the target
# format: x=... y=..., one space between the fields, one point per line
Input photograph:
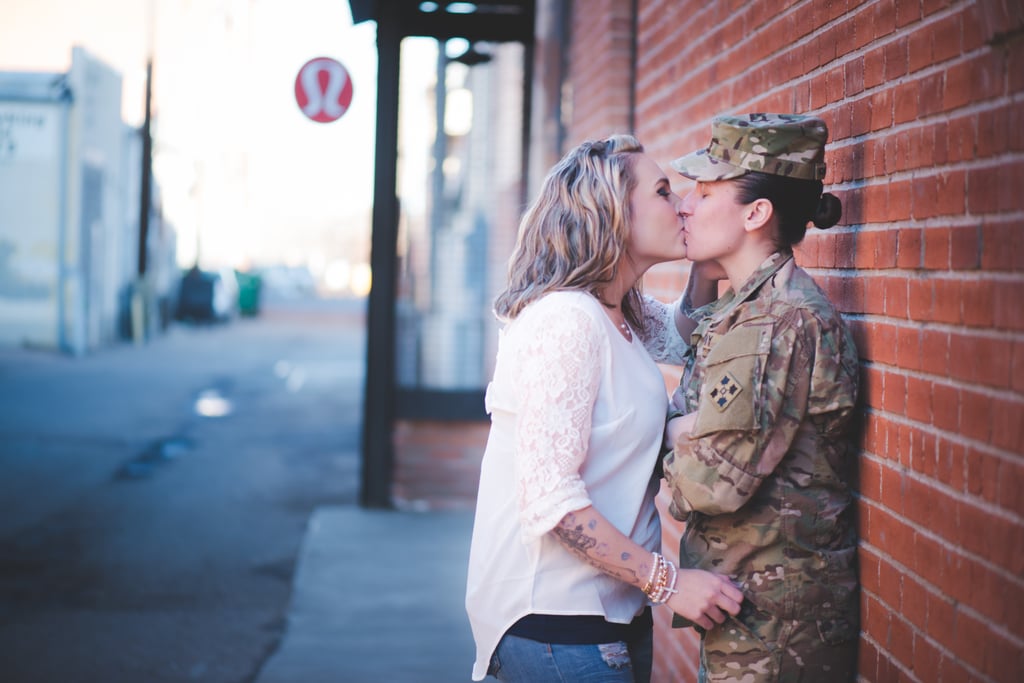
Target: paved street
x=143 y=541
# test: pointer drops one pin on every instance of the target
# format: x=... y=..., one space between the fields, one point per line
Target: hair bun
x=829 y=211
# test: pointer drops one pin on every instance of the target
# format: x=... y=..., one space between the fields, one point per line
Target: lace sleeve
x=660 y=335
x=557 y=377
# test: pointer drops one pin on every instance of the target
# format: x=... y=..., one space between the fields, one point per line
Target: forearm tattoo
x=577 y=537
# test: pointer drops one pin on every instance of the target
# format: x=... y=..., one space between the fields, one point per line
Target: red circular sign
x=323 y=89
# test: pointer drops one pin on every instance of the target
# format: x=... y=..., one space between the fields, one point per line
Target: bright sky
x=235 y=157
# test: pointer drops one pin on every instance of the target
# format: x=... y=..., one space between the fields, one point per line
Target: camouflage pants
x=759 y=648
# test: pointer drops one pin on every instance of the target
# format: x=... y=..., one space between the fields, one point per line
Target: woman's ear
x=757 y=214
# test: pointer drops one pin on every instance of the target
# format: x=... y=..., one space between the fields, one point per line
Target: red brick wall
x=437 y=464
x=925 y=102
x=600 y=70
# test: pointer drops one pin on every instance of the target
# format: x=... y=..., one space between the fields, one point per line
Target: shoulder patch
x=722 y=391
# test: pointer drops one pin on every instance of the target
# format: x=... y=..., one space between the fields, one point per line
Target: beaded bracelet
x=661 y=584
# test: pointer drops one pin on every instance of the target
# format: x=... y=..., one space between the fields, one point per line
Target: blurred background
x=241 y=179
x=248 y=250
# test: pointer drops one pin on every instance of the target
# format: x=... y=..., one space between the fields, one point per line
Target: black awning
x=484 y=20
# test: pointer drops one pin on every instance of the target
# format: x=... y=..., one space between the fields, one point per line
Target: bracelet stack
x=661 y=584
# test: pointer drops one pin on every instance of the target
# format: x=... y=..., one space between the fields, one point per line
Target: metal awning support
x=485 y=20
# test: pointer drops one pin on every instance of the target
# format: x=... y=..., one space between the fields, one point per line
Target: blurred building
x=70 y=173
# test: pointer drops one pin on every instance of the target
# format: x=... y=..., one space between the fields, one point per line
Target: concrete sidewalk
x=378 y=596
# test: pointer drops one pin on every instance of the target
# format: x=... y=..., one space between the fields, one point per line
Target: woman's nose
x=685 y=205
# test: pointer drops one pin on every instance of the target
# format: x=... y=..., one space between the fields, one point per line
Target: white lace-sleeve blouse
x=577 y=414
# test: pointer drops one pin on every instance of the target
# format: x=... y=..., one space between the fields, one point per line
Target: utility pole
x=140 y=296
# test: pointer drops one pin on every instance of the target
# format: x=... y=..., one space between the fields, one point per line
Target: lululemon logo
x=323 y=89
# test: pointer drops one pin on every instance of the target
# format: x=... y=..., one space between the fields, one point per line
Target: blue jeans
x=520 y=660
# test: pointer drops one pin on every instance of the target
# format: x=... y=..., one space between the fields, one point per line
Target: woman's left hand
x=705 y=598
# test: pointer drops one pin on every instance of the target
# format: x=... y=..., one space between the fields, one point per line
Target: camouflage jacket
x=762 y=479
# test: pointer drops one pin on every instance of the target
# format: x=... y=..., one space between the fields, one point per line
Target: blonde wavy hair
x=574 y=235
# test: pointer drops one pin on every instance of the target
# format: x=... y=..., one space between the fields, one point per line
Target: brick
x=914 y=605
x=893 y=491
x=884 y=20
x=919 y=399
x=936 y=248
x=994 y=362
x=1010 y=487
x=973 y=32
x=921 y=299
x=957 y=90
x=919 y=49
x=975 y=461
x=876 y=620
x=935 y=352
x=895 y=297
x=983 y=190
x=952 y=192
x=925 y=662
x=908 y=348
x=960 y=138
x=964 y=247
x=941 y=615
x=924 y=452
x=882 y=343
x=1017 y=367
x=951 y=670
x=907 y=13
x=890 y=586
x=936 y=137
x=945 y=407
x=872 y=387
x=1008 y=311
x=946 y=34
x=901 y=640
x=947 y=302
x=925 y=189
x=1015 y=66
x=869 y=478
x=950 y=467
x=874 y=68
x=910 y=249
x=975 y=416
x=881 y=110
x=1008 y=424
x=885 y=243
x=894 y=393
x=864 y=258
x=988 y=591
x=979 y=303
x=1003 y=659
x=972 y=637
x=874 y=295
x=997 y=246
x=905 y=98
x=932 y=94
x=990 y=69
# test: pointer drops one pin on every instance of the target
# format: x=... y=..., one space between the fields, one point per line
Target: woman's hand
x=708 y=271
x=705 y=598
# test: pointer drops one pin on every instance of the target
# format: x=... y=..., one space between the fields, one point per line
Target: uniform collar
x=720 y=308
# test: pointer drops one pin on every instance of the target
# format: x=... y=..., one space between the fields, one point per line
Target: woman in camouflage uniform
x=760 y=427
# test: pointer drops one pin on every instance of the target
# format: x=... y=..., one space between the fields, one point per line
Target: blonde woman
x=564 y=564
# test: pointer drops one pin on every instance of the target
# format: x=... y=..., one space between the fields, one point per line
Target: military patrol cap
x=789 y=145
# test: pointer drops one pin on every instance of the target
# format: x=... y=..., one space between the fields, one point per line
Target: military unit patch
x=724 y=391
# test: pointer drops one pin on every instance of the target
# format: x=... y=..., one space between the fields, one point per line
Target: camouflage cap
x=780 y=144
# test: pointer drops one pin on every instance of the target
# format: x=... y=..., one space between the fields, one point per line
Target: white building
x=70 y=174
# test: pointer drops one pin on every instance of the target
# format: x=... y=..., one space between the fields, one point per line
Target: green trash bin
x=248 y=293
